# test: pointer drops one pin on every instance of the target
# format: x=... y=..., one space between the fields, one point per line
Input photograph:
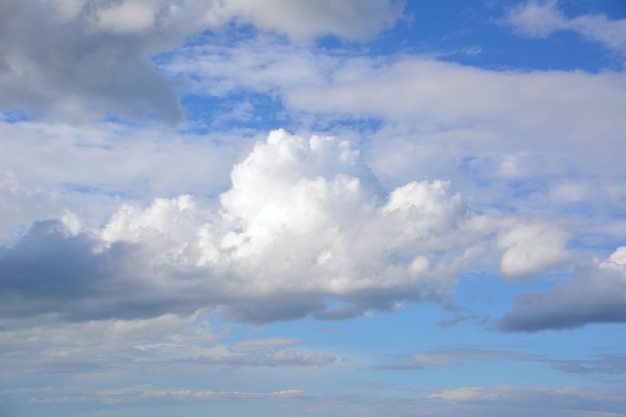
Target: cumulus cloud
x=541 y=19
x=304 y=220
x=594 y=294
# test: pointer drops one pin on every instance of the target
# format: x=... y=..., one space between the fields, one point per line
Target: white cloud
x=522 y=124
x=521 y=394
x=303 y=220
x=256 y=344
x=529 y=249
x=302 y=21
x=541 y=19
x=127 y=17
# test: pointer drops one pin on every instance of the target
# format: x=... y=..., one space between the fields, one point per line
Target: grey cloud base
x=594 y=295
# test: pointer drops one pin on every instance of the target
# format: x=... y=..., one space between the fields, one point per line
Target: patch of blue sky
x=14 y=116
x=238 y=110
x=102 y=189
x=474 y=34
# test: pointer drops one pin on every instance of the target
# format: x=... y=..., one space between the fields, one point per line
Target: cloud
x=148 y=392
x=88 y=60
x=256 y=344
x=541 y=19
x=127 y=17
x=594 y=294
x=92 y=60
x=288 y=357
x=531 y=397
x=525 y=107
x=529 y=249
x=606 y=364
x=353 y=20
x=304 y=222
x=452 y=356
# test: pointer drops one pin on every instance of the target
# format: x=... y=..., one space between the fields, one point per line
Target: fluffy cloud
x=541 y=19
x=304 y=220
x=594 y=295
x=529 y=249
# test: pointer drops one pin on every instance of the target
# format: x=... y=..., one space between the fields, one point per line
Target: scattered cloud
x=593 y=295
x=154 y=228
x=540 y=19
x=452 y=356
x=604 y=364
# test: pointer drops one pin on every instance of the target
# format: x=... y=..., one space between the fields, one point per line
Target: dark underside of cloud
x=594 y=295
x=64 y=68
x=50 y=271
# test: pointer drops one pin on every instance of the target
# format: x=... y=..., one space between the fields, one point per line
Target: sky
x=312 y=208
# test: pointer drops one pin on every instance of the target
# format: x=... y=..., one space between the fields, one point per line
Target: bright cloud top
x=303 y=221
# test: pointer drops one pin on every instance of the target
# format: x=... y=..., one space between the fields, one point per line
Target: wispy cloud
x=540 y=19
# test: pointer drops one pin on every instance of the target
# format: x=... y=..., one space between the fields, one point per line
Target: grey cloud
x=275 y=307
x=51 y=271
x=451 y=356
x=64 y=65
x=594 y=295
x=606 y=364
x=276 y=358
x=92 y=59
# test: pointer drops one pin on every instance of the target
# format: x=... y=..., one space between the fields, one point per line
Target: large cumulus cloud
x=304 y=226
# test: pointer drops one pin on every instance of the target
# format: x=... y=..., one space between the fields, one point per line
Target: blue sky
x=318 y=208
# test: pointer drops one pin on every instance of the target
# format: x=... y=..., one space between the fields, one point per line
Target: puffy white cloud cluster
x=304 y=220
x=530 y=248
